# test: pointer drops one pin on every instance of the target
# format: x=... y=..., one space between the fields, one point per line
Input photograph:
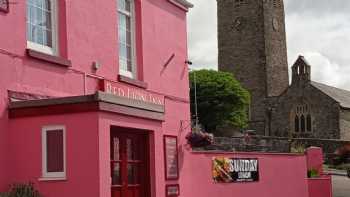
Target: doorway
x=129 y=163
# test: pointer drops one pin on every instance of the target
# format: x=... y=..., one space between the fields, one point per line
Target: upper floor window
x=126 y=38
x=42 y=26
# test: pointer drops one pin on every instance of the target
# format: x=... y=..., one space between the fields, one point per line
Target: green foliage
x=297 y=148
x=21 y=190
x=313 y=173
x=221 y=99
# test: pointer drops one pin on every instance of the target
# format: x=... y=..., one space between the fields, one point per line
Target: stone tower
x=252 y=45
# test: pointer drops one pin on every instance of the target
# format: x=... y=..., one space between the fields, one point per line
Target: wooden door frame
x=145 y=135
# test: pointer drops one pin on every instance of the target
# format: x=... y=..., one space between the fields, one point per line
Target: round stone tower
x=252 y=45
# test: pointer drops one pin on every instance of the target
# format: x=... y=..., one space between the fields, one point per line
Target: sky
x=316 y=29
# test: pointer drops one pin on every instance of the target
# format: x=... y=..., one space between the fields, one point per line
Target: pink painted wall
x=320 y=187
x=280 y=175
x=88 y=32
x=315 y=159
x=81 y=154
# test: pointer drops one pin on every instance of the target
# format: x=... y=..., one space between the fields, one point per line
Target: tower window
x=239 y=3
x=276 y=3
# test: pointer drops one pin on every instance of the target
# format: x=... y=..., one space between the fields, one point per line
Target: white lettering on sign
x=132 y=93
x=244 y=166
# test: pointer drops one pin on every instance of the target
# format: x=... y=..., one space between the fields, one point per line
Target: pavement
x=340 y=183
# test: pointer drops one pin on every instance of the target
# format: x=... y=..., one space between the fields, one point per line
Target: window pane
x=48 y=38
x=129 y=149
x=125 y=34
x=122 y=36
x=39 y=19
x=122 y=21
x=296 y=124
x=123 y=51
x=54 y=150
x=123 y=64
x=124 y=5
x=38 y=3
x=302 y=123
x=47 y=5
x=47 y=23
x=116 y=149
x=116 y=174
x=308 y=123
x=133 y=174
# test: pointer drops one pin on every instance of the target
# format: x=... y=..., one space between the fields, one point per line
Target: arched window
x=302 y=123
x=308 y=123
x=296 y=124
x=302 y=118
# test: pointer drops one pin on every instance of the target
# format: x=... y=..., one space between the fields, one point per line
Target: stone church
x=252 y=45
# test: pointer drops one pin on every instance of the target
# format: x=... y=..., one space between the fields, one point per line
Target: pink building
x=94 y=102
x=111 y=80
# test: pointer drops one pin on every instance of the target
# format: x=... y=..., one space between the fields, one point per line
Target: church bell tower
x=252 y=46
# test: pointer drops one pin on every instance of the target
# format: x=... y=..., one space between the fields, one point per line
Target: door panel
x=129 y=167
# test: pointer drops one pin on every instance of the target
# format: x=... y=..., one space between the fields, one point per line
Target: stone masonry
x=252 y=45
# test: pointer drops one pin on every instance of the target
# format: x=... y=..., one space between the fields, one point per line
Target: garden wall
x=280 y=175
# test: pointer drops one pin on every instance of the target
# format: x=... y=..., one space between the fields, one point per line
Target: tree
x=221 y=100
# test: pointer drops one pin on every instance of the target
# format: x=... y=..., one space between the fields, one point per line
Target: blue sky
x=317 y=29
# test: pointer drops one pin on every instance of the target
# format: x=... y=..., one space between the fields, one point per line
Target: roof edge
x=183 y=4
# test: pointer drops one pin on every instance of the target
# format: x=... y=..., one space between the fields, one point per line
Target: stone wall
x=323 y=109
x=252 y=46
x=345 y=124
x=273 y=144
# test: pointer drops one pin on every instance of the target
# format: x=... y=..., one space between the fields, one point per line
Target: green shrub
x=297 y=148
x=313 y=173
x=21 y=190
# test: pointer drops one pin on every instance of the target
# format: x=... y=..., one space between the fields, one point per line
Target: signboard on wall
x=131 y=92
x=230 y=170
x=4 y=5
x=171 y=158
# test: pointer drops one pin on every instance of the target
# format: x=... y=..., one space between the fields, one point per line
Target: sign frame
x=176 y=154
x=167 y=187
x=235 y=170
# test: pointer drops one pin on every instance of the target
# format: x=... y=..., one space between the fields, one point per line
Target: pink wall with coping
x=280 y=175
x=320 y=187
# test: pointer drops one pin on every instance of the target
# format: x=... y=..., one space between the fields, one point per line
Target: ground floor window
x=53 y=152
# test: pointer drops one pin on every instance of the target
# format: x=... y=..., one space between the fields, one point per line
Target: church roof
x=340 y=95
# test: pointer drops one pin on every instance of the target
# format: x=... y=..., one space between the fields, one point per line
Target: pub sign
x=231 y=170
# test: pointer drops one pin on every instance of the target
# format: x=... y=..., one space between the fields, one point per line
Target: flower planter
x=199 y=139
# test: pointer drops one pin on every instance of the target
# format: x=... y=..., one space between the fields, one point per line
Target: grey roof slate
x=340 y=95
x=185 y=3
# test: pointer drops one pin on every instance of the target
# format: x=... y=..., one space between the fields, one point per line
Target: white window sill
x=53 y=179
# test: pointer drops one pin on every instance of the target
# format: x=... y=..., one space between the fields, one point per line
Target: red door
x=129 y=165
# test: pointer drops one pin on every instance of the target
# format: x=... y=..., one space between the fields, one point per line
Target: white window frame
x=52 y=175
x=132 y=16
x=54 y=50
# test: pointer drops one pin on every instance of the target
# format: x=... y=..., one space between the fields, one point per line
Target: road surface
x=341 y=186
